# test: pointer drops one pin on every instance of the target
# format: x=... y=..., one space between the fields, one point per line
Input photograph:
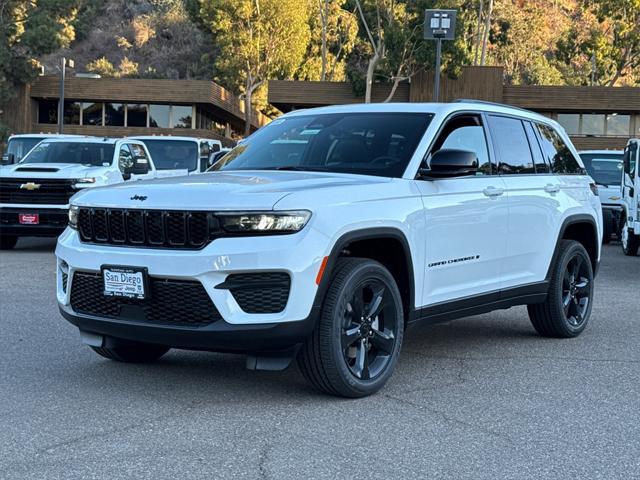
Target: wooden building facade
x=594 y=117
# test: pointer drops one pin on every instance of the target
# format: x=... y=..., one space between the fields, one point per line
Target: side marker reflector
x=323 y=265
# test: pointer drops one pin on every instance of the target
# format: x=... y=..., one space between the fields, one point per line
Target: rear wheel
x=355 y=346
x=134 y=353
x=7 y=242
x=566 y=311
x=630 y=242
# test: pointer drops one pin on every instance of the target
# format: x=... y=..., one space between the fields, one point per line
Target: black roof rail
x=495 y=104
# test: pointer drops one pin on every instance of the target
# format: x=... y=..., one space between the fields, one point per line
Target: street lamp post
x=439 y=25
x=66 y=62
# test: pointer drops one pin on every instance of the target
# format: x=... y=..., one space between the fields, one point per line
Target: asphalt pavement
x=482 y=397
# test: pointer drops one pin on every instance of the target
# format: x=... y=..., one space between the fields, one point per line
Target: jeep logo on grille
x=30 y=186
x=142 y=198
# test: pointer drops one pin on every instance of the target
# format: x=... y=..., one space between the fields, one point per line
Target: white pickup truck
x=180 y=155
x=35 y=193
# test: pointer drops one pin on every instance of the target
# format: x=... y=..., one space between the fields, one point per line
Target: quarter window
x=556 y=151
x=512 y=145
x=538 y=159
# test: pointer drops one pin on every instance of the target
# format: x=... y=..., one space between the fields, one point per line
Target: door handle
x=493 y=191
x=549 y=188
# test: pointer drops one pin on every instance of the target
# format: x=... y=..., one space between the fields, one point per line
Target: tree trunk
x=478 y=32
x=371 y=68
x=487 y=26
x=324 y=12
x=247 y=111
x=394 y=87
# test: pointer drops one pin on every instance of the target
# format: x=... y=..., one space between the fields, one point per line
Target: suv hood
x=50 y=170
x=238 y=190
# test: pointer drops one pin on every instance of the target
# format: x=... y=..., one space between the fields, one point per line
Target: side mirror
x=140 y=166
x=8 y=159
x=451 y=163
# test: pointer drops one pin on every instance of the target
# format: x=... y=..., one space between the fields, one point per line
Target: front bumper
x=299 y=255
x=53 y=221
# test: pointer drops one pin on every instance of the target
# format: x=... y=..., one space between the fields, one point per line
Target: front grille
x=147 y=228
x=36 y=191
x=170 y=302
x=265 y=292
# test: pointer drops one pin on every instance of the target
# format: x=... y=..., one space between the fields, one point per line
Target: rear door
x=535 y=199
x=466 y=219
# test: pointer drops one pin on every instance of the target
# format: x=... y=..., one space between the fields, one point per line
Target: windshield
x=20 y=146
x=604 y=168
x=90 y=154
x=365 y=143
x=173 y=154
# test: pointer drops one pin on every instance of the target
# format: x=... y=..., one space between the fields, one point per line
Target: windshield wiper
x=299 y=168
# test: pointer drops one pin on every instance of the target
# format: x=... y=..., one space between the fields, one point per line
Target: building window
x=159 y=116
x=92 y=113
x=48 y=111
x=136 y=115
x=592 y=124
x=618 y=125
x=114 y=114
x=570 y=122
x=71 y=113
x=182 y=116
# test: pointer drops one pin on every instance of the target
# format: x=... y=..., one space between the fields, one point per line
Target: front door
x=466 y=220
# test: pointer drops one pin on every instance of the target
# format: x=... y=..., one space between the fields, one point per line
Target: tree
x=29 y=29
x=258 y=40
x=334 y=31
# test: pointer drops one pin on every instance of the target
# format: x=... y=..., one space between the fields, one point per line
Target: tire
x=7 y=242
x=566 y=311
x=607 y=224
x=355 y=345
x=135 y=353
x=630 y=242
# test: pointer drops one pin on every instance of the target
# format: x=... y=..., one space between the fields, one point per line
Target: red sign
x=29 y=218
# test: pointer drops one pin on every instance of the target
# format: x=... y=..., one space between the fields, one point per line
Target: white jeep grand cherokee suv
x=332 y=230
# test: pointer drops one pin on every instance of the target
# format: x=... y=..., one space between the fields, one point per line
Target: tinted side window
x=556 y=151
x=629 y=160
x=511 y=145
x=466 y=133
x=538 y=159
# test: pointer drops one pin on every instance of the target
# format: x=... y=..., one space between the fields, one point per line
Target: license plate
x=29 y=218
x=125 y=282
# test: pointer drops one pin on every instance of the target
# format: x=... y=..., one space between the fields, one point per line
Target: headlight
x=83 y=182
x=73 y=216
x=258 y=222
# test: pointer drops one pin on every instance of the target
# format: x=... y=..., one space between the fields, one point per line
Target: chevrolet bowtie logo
x=30 y=186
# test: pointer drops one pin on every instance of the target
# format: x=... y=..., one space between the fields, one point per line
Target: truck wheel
x=630 y=242
x=355 y=345
x=607 y=224
x=138 y=353
x=566 y=311
x=7 y=242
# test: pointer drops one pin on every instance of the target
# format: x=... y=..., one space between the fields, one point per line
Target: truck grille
x=170 y=302
x=36 y=191
x=264 y=292
x=147 y=228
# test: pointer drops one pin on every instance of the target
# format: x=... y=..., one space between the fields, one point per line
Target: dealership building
x=118 y=107
x=594 y=117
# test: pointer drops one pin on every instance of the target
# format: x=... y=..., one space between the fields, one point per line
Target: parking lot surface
x=482 y=397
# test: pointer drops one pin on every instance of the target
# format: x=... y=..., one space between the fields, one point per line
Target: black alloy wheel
x=576 y=290
x=369 y=330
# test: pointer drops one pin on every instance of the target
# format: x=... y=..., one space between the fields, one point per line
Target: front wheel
x=355 y=345
x=630 y=242
x=7 y=242
x=133 y=353
x=566 y=311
